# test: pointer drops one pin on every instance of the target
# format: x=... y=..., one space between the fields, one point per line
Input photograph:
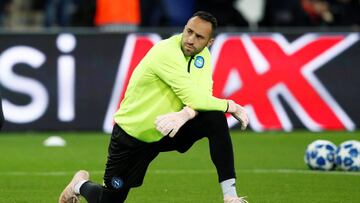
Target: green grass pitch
x=270 y=168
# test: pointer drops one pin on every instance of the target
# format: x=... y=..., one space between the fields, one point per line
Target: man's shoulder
x=169 y=46
x=171 y=42
x=205 y=52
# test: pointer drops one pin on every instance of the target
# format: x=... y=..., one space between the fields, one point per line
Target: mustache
x=189 y=45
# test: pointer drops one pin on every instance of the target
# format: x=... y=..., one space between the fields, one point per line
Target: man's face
x=196 y=36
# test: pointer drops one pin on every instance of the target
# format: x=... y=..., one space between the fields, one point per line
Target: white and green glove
x=239 y=113
x=169 y=124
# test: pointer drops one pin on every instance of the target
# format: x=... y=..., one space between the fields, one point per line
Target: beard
x=189 y=50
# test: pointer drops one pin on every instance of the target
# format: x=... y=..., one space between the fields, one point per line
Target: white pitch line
x=183 y=171
x=299 y=171
x=280 y=171
x=53 y=173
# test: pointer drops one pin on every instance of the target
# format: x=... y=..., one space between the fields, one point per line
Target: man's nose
x=191 y=39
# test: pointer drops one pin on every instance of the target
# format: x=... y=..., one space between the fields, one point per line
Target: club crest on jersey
x=199 y=62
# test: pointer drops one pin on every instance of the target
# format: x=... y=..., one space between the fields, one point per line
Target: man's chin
x=188 y=53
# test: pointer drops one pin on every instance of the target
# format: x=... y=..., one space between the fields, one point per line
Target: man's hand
x=169 y=124
x=239 y=113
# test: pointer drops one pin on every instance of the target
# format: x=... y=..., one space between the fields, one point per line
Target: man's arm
x=169 y=124
x=172 y=72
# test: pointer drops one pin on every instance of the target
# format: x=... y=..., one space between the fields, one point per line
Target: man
x=168 y=105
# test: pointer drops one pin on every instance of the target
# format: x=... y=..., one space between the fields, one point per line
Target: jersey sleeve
x=170 y=69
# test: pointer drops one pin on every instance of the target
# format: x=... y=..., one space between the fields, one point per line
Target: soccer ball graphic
x=320 y=155
x=348 y=155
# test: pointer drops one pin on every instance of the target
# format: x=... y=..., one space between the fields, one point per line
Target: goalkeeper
x=168 y=105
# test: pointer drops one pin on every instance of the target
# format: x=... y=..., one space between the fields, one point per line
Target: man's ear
x=210 y=42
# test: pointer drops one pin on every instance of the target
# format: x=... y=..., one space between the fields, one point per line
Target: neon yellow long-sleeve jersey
x=165 y=81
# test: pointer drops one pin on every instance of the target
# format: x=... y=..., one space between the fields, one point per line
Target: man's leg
x=213 y=125
x=128 y=160
x=94 y=193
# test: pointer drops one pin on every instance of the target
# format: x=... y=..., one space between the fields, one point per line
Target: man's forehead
x=199 y=26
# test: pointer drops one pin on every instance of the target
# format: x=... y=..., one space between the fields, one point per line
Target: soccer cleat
x=235 y=200
x=69 y=195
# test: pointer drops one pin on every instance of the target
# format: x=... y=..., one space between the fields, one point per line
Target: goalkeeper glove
x=169 y=124
x=239 y=113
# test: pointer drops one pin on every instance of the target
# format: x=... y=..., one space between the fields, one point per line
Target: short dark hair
x=207 y=17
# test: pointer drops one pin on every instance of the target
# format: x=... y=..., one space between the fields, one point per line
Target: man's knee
x=205 y=124
x=183 y=149
x=94 y=193
x=214 y=123
x=213 y=117
x=114 y=195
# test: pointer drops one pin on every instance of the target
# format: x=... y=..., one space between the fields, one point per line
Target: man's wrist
x=191 y=112
x=231 y=106
x=227 y=106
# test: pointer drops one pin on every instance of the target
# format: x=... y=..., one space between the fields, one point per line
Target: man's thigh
x=128 y=160
x=205 y=124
